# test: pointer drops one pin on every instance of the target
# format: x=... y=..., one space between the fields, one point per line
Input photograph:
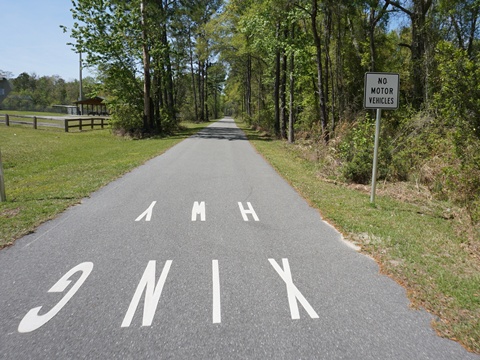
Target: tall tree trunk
x=373 y=50
x=328 y=33
x=321 y=96
x=418 y=54
x=147 y=114
x=276 y=89
x=260 y=93
x=418 y=47
x=373 y=18
x=283 y=92
x=157 y=99
x=248 y=90
x=169 y=76
x=201 y=92
x=473 y=29
x=207 y=116
x=215 y=101
x=291 y=135
x=193 y=79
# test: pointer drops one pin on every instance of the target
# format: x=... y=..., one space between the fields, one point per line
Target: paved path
x=203 y=253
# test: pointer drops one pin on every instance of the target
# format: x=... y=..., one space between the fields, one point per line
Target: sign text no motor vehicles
x=381 y=91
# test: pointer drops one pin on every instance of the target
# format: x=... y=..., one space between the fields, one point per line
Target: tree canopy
x=295 y=68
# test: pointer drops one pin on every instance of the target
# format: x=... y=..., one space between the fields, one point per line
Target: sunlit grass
x=46 y=170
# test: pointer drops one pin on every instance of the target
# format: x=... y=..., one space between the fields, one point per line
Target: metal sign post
x=3 y=197
x=375 y=156
x=381 y=92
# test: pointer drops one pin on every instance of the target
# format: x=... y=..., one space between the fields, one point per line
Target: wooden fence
x=65 y=123
x=90 y=121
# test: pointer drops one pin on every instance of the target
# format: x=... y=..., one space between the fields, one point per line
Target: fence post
x=80 y=126
x=7 y=119
x=35 y=122
x=65 y=122
x=3 y=197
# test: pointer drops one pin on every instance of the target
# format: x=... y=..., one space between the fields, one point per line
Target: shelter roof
x=97 y=100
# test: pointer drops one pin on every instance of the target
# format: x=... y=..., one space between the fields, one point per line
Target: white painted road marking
x=32 y=321
x=246 y=212
x=147 y=214
x=293 y=293
x=217 y=312
x=198 y=209
x=152 y=294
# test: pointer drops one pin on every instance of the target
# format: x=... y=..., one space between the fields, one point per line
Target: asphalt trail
x=204 y=252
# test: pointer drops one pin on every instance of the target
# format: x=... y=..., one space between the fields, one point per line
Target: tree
x=128 y=42
x=6 y=74
x=417 y=13
x=198 y=19
x=320 y=72
x=376 y=12
x=459 y=20
x=147 y=97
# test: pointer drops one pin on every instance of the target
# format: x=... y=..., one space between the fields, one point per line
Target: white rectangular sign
x=381 y=91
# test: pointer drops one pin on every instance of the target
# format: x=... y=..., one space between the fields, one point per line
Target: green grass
x=47 y=171
x=422 y=250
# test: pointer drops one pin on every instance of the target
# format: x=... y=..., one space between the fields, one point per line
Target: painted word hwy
x=199 y=211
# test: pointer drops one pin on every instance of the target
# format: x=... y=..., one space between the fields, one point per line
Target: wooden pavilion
x=93 y=106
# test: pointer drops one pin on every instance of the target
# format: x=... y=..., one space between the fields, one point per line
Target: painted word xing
x=151 y=290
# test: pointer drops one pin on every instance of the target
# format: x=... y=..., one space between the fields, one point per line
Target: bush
x=458 y=104
x=126 y=118
x=356 y=152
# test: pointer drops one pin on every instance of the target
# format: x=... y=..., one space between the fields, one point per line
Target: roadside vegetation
x=46 y=171
x=428 y=246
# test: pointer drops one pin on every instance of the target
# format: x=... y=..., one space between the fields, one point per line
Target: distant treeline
x=40 y=93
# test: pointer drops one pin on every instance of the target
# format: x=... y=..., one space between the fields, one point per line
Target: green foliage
x=420 y=150
x=458 y=104
x=117 y=37
x=437 y=147
x=34 y=93
x=126 y=118
x=458 y=98
x=356 y=152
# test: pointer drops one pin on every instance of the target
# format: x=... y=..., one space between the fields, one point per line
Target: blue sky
x=32 y=41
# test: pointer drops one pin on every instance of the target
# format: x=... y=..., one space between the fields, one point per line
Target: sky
x=32 y=41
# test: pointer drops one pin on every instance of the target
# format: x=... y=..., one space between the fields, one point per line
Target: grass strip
x=422 y=251
x=46 y=171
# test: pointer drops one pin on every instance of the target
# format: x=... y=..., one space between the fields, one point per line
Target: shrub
x=458 y=104
x=126 y=118
x=356 y=152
